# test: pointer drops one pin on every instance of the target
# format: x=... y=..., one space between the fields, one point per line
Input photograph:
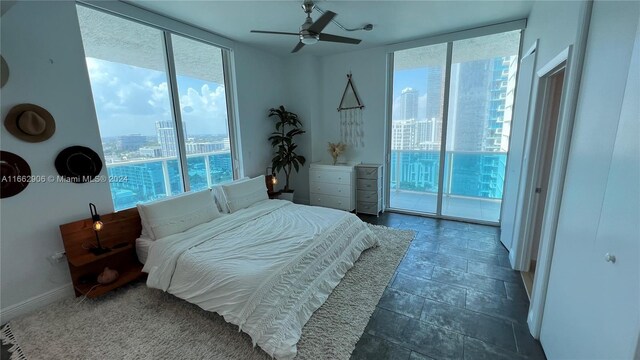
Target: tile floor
x=453 y=296
x=454 y=206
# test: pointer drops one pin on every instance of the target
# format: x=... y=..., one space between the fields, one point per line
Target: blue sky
x=415 y=78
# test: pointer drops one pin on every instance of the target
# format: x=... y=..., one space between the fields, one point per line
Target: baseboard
x=36 y=302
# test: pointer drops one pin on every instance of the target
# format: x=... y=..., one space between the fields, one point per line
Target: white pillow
x=221 y=199
x=243 y=194
x=177 y=214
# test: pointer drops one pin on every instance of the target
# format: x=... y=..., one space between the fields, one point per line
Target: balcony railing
x=469 y=174
x=144 y=180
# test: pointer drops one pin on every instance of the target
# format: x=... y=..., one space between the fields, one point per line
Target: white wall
x=581 y=315
x=260 y=80
x=47 y=67
x=555 y=25
x=369 y=70
x=303 y=97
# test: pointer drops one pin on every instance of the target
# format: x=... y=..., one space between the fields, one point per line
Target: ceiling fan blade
x=322 y=22
x=339 y=39
x=298 y=47
x=274 y=32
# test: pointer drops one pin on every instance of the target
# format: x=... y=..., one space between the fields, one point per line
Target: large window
x=161 y=105
x=460 y=174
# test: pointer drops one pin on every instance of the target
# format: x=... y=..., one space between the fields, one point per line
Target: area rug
x=136 y=322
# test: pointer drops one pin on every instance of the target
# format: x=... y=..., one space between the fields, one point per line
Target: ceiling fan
x=311 y=32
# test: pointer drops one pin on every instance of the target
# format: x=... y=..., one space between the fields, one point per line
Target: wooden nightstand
x=274 y=194
x=119 y=234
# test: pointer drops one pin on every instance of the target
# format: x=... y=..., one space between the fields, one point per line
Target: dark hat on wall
x=14 y=174
x=78 y=164
x=30 y=123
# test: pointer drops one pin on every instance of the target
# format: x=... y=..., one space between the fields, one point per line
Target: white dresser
x=369 y=188
x=332 y=186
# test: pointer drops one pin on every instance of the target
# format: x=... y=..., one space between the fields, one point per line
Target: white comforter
x=266 y=268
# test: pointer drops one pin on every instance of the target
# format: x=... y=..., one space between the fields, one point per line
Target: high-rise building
x=408 y=107
x=131 y=142
x=435 y=92
x=167 y=137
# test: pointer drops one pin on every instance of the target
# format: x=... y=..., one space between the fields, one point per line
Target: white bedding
x=266 y=268
x=142 y=248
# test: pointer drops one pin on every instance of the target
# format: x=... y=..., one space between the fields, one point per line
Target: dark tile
x=372 y=348
x=409 y=225
x=503 y=260
x=516 y=291
x=401 y=302
x=447 y=240
x=471 y=281
x=449 y=294
x=421 y=242
x=469 y=254
x=486 y=245
x=387 y=325
x=470 y=323
x=415 y=265
x=527 y=345
x=433 y=341
x=488 y=229
x=469 y=234
x=493 y=271
x=498 y=306
x=456 y=225
x=418 y=356
x=437 y=259
x=479 y=350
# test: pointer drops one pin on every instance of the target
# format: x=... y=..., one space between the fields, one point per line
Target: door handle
x=610 y=258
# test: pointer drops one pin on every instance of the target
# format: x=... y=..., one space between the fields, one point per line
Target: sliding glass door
x=416 y=127
x=450 y=160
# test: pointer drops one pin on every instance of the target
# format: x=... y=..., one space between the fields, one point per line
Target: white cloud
x=130 y=100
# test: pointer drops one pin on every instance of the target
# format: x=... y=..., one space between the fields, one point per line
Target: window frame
x=169 y=28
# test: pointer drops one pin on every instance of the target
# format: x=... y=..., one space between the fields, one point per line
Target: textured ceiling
x=394 y=21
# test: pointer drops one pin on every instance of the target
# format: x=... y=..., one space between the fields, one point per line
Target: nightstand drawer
x=333 y=177
x=330 y=189
x=363 y=172
x=367 y=184
x=367 y=196
x=369 y=207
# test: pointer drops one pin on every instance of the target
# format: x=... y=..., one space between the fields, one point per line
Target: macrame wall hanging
x=350 y=109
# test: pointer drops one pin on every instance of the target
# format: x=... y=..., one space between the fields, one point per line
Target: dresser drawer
x=368 y=184
x=336 y=202
x=330 y=189
x=363 y=172
x=368 y=196
x=333 y=177
x=369 y=207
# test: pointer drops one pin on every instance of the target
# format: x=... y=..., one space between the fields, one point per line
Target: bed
x=266 y=266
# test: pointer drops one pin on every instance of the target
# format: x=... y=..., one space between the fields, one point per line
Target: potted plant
x=285 y=158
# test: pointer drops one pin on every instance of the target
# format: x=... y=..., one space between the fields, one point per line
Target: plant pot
x=286 y=196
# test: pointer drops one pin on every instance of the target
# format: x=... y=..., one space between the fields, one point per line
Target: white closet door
x=510 y=224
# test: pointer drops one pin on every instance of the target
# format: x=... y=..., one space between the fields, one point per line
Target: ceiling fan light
x=309 y=39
